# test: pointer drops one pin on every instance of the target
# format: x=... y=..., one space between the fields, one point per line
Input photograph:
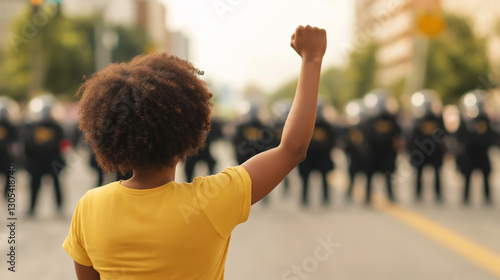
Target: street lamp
x=36 y=5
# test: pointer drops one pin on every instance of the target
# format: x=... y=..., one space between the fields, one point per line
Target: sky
x=240 y=42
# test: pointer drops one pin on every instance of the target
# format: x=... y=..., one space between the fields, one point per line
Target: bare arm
x=86 y=272
x=269 y=168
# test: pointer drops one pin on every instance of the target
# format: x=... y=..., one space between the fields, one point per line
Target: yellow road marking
x=456 y=242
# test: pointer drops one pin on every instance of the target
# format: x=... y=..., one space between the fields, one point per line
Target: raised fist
x=309 y=42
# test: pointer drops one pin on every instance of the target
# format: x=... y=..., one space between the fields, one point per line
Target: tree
x=457 y=60
x=132 y=42
x=495 y=67
x=68 y=48
x=360 y=72
x=65 y=47
x=340 y=85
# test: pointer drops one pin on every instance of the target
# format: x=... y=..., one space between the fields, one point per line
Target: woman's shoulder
x=228 y=173
x=100 y=191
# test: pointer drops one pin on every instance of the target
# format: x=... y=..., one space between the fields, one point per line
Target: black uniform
x=7 y=139
x=318 y=158
x=426 y=147
x=93 y=162
x=42 y=142
x=276 y=128
x=356 y=149
x=204 y=155
x=383 y=132
x=251 y=138
x=475 y=136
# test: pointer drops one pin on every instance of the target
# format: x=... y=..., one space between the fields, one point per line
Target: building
x=150 y=15
x=486 y=17
x=120 y=12
x=9 y=9
x=391 y=23
x=178 y=44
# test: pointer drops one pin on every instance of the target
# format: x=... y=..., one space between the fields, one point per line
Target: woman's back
x=174 y=231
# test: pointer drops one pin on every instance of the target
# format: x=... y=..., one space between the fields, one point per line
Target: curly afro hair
x=149 y=112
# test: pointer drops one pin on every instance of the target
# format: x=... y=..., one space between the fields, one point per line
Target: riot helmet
x=473 y=103
x=8 y=108
x=41 y=107
x=425 y=102
x=379 y=101
x=281 y=108
x=355 y=111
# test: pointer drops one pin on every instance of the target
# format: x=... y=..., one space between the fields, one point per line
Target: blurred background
x=402 y=178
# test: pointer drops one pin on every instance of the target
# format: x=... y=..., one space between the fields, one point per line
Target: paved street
x=346 y=241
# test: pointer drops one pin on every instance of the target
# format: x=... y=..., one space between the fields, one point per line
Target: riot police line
x=36 y=144
x=40 y=143
x=370 y=135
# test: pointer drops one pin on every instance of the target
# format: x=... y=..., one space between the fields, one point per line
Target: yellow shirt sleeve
x=225 y=198
x=74 y=245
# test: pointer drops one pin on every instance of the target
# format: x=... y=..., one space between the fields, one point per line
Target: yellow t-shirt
x=175 y=231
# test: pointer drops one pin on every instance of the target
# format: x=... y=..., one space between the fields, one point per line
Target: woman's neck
x=148 y=178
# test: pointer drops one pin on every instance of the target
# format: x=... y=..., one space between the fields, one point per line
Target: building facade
x=151 y=15
x=9 y=9
x=392 y=24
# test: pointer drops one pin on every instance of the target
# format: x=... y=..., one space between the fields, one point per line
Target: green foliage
x=456 y=60
x=332 y=85
x=287 y=91
x=497 y=27
x=66 y=49
x=340 y=85
x=131 y=42
x=360 y=73
x=14 y=67
x=68 y=54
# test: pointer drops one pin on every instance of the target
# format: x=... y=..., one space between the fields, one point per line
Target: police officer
x=77 y=139
x=384 y=138
x=424 y=147
x=355 y=141
x=251 y=137
x=280 y=111
x=100 y=173
x=476 y=136
x=205 y=154
x=318 y=156
x=43 y=142
x=8 y=136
